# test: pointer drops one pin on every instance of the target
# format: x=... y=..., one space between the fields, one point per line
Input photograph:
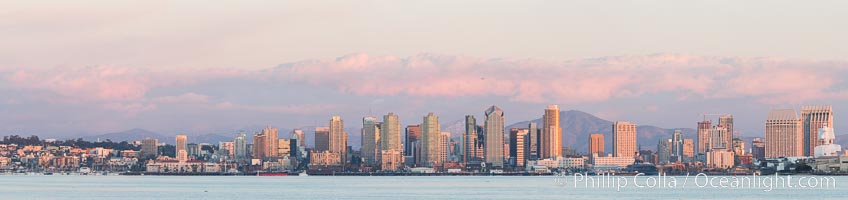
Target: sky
x=91 y=67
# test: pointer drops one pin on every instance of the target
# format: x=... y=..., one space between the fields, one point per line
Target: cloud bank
x=279 y=92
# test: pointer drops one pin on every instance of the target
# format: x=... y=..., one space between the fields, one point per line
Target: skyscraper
x=260 y=145
x=784 y=135
x=181 y=148
x=663 y=151
x=370 y=150
x=813 y=118
x=300 y=136
x=551 y=133
x=688 y=150
x=181 y=143
x=596 y=144
x=338 y=143
x=624 y=139
x=726 y=122
x=413 y=134
x=535 y=135
x=272 y=143
x=390 y=133
x=518 y=145
x=470 y=139
x=704 y=132
x=430 y=136
x=444 y=147
x=322 y=139
x=150 y=147
x=494 y=128
x=240 y=147
x=677 y=144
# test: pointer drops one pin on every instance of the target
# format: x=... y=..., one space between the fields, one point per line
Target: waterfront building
x=271 y=141
x=412 y=144
x=444 y=147
x=720 y=158
x=624 y=139
x=611 y=162
x=325 y=158
x=470 y=139
x=392 y=160
x=322 y=139
x=814 y=118
x=827 y=147
x=784 y=135
x=283 y=147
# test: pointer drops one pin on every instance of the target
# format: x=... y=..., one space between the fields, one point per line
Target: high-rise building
x=338 y=137
x=494 y=129
x=322 y=139
x=688 y=150
x=240 y=150
x=814 y=118
x=300 y=136
x=518 y=146
x=370 y=147
x=551 y=133
x=726 y=122
x=283 y=147
x=471 y=140
x=430 y=136
x=663 y=151
x=534 y=143
x=444 y=147
x=412 y=144
x=228 y=149
x=719 y=138
x=260 y=147
x=390 y=133
x=758 y=148
x=150 y=147
x=271 y=141
x=413 y=134
x=181 y=143
x=704 y=133
x=784 y=135
x=677 y=144
x=738 y=147
x=624 y=139
x=596 y=144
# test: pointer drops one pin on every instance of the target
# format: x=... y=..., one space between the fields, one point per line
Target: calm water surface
x=323 y=187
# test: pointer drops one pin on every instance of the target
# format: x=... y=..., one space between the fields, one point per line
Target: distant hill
x=135 y=134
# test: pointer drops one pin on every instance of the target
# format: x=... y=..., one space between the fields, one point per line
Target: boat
x=303 y=173
x=272 y=174
x=644 y=168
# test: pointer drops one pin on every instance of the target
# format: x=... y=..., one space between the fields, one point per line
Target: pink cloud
x=770 y=80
